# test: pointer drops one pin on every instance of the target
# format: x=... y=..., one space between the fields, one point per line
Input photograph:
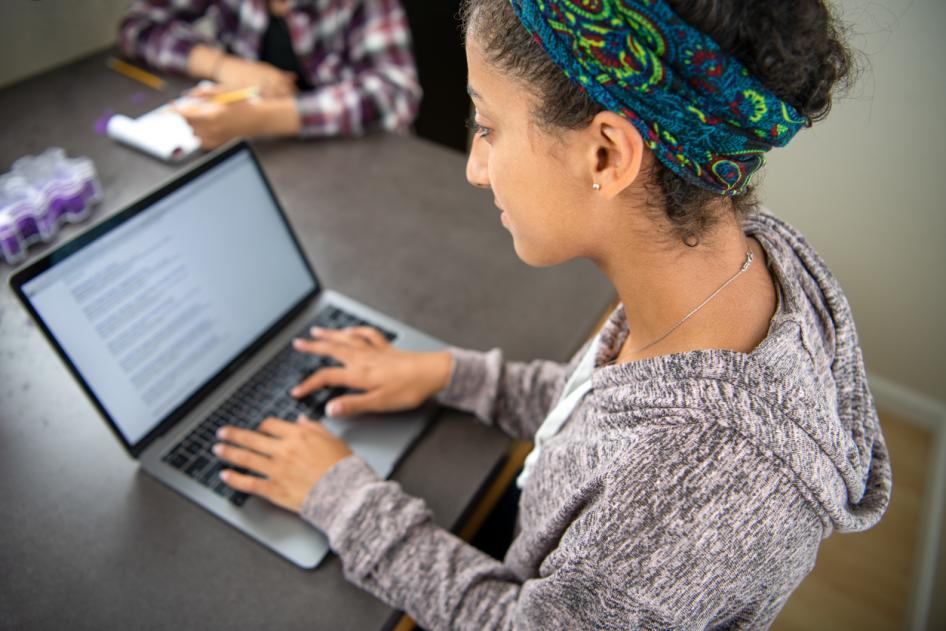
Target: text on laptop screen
x=152 y=310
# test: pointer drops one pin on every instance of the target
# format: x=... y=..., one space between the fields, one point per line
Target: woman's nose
x=476 y=164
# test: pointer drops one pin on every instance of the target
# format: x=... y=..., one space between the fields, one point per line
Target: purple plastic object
x=24 y=220
x=10 y=246
x=101 y=123
x=89 y=192
x=39 y=194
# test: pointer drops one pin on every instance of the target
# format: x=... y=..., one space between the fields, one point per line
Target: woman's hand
x=390 y=379
x=291 y=456
x=217 y=123
x=235 y=72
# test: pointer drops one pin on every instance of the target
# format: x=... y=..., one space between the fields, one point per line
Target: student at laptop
x=322 y=69
x=691 y=459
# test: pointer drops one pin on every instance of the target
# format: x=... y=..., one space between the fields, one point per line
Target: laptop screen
x=151 y=310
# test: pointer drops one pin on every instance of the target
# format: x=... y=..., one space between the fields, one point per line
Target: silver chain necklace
x=742 y=270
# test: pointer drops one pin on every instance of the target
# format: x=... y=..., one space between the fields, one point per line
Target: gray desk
x=88 y=542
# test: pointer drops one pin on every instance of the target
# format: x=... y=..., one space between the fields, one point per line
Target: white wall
x=36 y=35
x=867 y=187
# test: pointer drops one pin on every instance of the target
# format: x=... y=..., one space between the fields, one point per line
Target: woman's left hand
x=291 y=456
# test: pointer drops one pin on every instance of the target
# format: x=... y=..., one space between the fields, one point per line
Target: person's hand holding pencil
x=272 y=82
x=218 y=115
x=232 y=96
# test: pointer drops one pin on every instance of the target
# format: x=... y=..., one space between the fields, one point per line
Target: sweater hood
x=801 y=397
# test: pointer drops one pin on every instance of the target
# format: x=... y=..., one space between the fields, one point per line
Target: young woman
x=690 y=460
x=322 y=69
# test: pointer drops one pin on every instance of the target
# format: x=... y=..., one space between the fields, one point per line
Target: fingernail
x=295 y=392
x=297 y=343
x=221 y=433
x=333 y=408
x=225 y=475
x=217 y=449
x=316 y=330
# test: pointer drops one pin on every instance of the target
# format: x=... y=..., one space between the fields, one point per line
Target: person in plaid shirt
x=321 y=69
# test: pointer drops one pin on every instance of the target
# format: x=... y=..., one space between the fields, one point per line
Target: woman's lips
x=503 y=217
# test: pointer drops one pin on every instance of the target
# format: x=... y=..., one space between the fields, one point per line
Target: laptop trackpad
x=378 y=440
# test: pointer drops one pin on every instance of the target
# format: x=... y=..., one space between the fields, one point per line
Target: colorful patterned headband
x=698 y=108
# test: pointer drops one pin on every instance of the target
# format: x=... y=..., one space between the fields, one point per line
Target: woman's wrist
x=217 y=68
x=204 y=62
x=276 y=117
x=440 y=369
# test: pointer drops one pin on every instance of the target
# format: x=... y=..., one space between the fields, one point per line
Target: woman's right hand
x=235 y=73
x=389 y=379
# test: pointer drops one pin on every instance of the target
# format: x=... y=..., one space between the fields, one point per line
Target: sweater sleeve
x=381 y=91
x=390 y=547
x=626 y=548
x=163 y=32
x=513 y=396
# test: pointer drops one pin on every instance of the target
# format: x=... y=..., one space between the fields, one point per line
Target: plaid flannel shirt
x=357 y=53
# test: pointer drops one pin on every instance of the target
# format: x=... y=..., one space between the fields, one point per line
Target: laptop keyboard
x=265 y=394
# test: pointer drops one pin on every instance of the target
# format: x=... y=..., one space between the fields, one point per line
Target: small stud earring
x=596 y=186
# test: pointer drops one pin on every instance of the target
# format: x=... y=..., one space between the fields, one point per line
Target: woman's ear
x=616 y=153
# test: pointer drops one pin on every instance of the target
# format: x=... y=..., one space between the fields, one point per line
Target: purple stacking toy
x=39 y=194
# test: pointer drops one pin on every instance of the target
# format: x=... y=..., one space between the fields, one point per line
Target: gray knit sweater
x=687 y=491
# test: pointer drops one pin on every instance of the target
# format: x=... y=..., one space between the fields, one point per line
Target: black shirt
x=276 y=49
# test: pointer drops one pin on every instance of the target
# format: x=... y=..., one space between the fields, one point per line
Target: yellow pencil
x=133 y=72
x=234 y=96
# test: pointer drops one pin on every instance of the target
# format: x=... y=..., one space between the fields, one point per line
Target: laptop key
x=211 y=473
x=197 y=466
x=178 y=461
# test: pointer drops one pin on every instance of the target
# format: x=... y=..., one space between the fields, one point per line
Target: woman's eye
x=477 y=129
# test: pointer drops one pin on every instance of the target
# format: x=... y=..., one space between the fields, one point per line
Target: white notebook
x=161 y=133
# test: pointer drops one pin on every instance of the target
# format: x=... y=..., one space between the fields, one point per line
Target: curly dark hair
x=795 y=47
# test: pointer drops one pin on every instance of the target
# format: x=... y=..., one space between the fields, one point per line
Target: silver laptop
x=176 y=316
